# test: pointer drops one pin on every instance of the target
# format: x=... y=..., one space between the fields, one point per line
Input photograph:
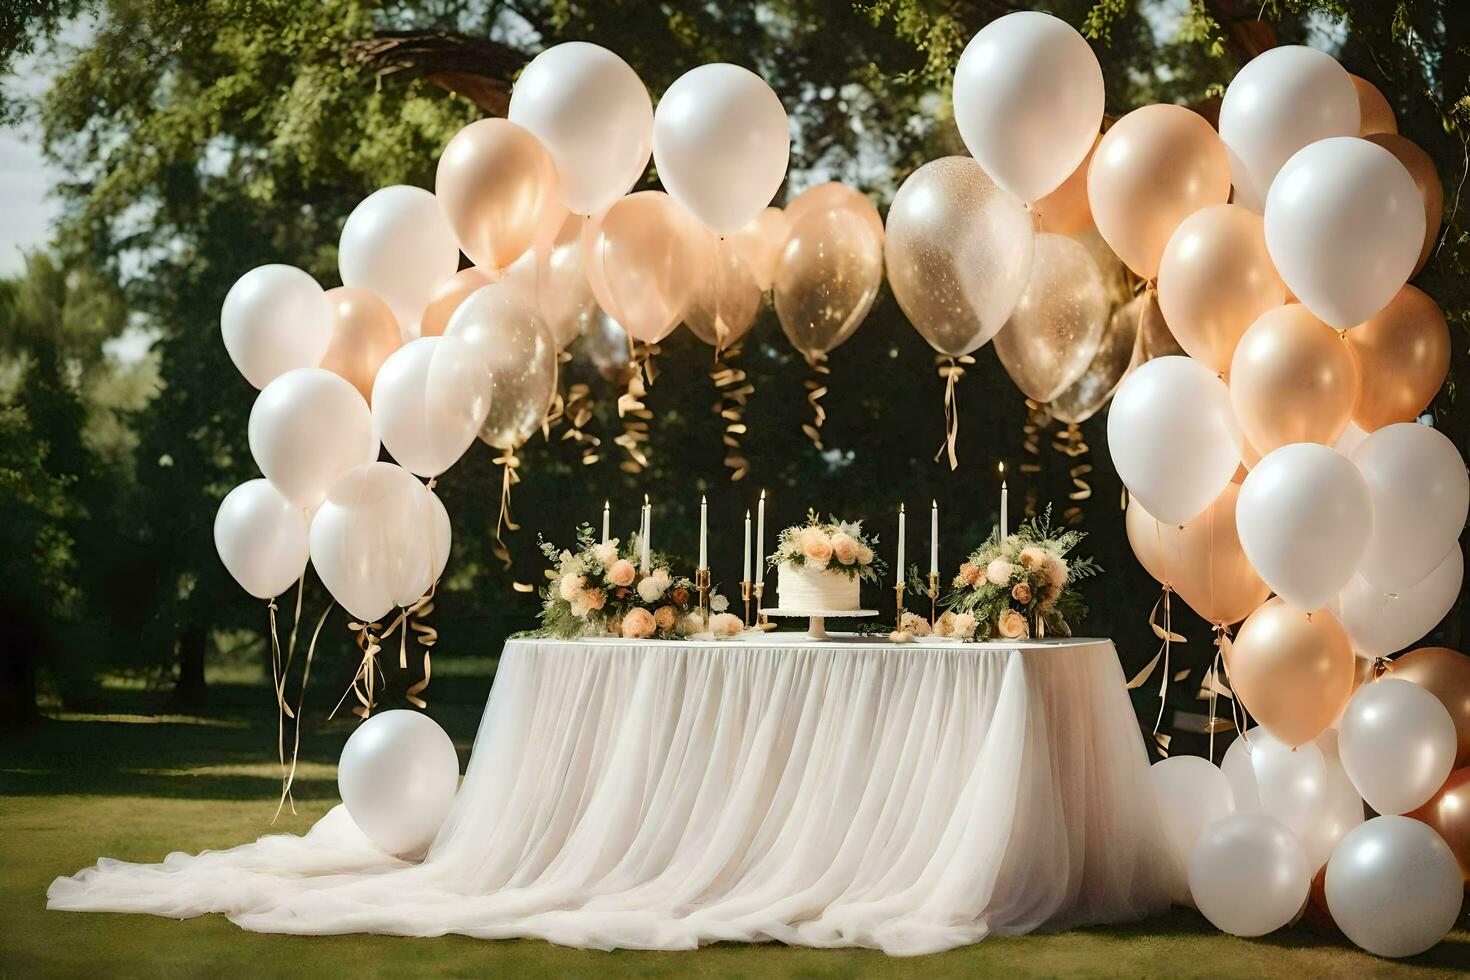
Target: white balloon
x=1380 y=623
x=1344 y=225
x=1279 y=102
x=429 y=400
x=1173 y=437
x=275 y=318
x=1305 y=788
x=721 y=143
x=1398 y=744
x=443 y=535
x=1352 y=437
x=1028 y=100
x=398 y=775
x=372 y=540
x=398 y=244
x=1248 y=874
x=1393 y=886
x=593 y=115
x=1304 y=517
x=1421 y=495
x=308 y=427
x=1191 y=793
x=261 y=538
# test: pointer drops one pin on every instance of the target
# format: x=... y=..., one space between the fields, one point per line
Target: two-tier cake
x=820 y=565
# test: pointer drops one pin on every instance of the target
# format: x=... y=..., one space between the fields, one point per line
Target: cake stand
x=817 y=618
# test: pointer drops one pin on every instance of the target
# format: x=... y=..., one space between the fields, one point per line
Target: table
x=647 y=794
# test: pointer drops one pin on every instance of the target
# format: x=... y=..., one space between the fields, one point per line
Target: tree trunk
x=476 y=68
x=190 y=689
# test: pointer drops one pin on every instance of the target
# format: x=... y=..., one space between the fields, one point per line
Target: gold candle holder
x=701 y=582
x=933 y=598
x=762 y=621
x=898 y=614
x=745 y=594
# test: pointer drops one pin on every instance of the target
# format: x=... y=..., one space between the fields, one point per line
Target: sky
x=26 y=206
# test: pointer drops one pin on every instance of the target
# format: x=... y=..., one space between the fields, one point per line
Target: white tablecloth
x=664 y=795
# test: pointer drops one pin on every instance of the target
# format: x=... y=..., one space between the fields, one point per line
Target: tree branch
x=477 y=68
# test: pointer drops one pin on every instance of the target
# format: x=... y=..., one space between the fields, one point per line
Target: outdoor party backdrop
x=204 y=139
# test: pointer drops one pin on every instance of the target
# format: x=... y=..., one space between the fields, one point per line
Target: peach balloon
x=727 y=299
x=552 y=279
x=1292 y=379
x=760 y=242
x=1216 y=279
x=1403 y=355
x=1444 y=673
x=446 y=299
x=833 y=196
x=1202 y=560
x=643 y=258
x=1155 y=167
x=1292 y=670
x=1375 y=115
x=364 y=333
x=1248 y=460
x=1426 y=178
x=1146 y=537
x=1065 y=211
x=1448 y=812
x=498 y=187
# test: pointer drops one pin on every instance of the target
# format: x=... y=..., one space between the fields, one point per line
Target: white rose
x=606 y=553
x=653 y=586
x=999 y=572
x=571 y=587
x=718 y=603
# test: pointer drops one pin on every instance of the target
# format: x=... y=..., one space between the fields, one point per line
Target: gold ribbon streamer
x=578 y=412
x=816 y=388
x=631 y=408
x=1037 y=418
x=1212 y=689
x=1166 y=636
x=951 y=370
x=556 y=411
x=300 y=703
x=733 y=389
x=1070 y=443
x=363 y=681
x=509 y=465
x=426 y=636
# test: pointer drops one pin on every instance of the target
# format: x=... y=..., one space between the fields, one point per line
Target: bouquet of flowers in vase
x=1023 y=585
x=601 y=590
x=830 y=545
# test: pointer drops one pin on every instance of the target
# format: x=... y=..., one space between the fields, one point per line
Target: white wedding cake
x=821 y=565
x=808 y=588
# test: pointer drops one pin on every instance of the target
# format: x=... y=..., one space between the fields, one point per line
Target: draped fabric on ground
x=664 y=795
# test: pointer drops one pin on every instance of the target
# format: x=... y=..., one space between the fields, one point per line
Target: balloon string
x=363 y=681
x=733 y=388
x=951 y=370
x=281 y=708
x=816 y=388
x=1212 y=689
x=509 y=467
x=300 y=703
x=631 y=408
x=578 y=412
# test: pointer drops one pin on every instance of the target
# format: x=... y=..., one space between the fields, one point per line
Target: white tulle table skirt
x=663 y=795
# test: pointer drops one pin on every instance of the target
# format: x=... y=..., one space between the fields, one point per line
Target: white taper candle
x=606 y=514
x=760 y=538
x=934 y=538
x=745 y=552
x=899 y=570
x=703 y=532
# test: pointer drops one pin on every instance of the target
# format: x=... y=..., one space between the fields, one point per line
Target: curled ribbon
x=951 y=370
x=631 y=408
x=816 y=388
x=1166 y=636
x=1071 y=443
x=509 y=464
x=734 y=389
x=1212 y=688
x=364 y=680
x=426 y=636
x=290 y=778
x=578 y=412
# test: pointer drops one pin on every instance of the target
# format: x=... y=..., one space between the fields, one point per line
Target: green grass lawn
x=126 y=782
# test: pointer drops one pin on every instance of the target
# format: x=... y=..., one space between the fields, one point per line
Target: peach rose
x=915 y=624
x=1056 y=570
x=963 y=626
x=1032 y=557
x=1021 y=593
x=844 y=548
x=681 y=596
x=594 y=599
x=864 y=555
x=615 y=626
x=969 y=573
x=665 y=617
x=1012 y=625
x=621 y=572
x=638 y=624
x=999 y=572
x=816 y=546
x=725 y=624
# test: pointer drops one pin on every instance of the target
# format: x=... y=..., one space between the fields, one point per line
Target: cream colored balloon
x=1151 y=170
x=1057 y=325
x=958 y=252
x=1216 y=279
x=728 y=298
x=760 y=242
x=448 y=297
x=552 y=278
x=1118 y=352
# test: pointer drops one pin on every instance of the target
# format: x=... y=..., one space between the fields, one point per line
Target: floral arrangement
x=600 y=590
x=1022 y=585
x=833 y=545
